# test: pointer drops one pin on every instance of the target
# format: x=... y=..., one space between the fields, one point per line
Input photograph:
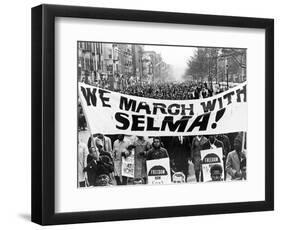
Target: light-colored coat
x=118 y=148
x=233 y=164
x=140 y=160
x=196 y=147
x=107 y=146
x=82 y=161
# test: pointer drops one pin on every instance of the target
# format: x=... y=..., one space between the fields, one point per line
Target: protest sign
x=110 y=112
x=212 y=158
x=158 y=171
x=128 y=166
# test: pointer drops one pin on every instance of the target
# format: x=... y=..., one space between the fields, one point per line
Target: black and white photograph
x=151 y=114
x=140 y=114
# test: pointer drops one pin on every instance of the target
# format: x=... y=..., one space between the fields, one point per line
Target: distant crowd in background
x=100 y=159
x=159 y=90
x=175 y=91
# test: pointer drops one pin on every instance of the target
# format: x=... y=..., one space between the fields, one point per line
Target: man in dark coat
x=156 y=152
x=213 y=142
x=99 y=162
x=179 y=149
x=227 y=148
x=226 y=143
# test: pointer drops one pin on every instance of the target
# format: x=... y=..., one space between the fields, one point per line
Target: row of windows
x=95 y=48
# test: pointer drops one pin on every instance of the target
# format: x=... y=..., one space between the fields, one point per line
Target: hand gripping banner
x=110 y=112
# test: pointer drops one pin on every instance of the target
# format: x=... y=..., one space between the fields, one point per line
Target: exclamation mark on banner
x=218 y=117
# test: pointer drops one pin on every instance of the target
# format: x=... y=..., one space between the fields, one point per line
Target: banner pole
x=85 y=114
x=243 y=141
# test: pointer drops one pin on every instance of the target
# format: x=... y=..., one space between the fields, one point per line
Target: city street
x=137 y=73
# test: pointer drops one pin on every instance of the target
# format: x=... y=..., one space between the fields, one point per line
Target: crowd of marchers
x=175 y=91
x=100 y=159
x=162 y=90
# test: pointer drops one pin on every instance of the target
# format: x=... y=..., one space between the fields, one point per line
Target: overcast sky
x=175 y=56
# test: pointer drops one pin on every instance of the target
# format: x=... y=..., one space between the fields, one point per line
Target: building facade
x=116 y=66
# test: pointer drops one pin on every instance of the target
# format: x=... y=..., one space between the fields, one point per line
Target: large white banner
x=110 y=112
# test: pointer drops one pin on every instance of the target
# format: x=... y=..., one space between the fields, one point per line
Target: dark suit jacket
x=217 y=143
x=154 y=154
x=179 y=151
x=226 y=143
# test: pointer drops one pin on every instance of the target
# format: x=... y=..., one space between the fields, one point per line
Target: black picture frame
x=43 y=113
